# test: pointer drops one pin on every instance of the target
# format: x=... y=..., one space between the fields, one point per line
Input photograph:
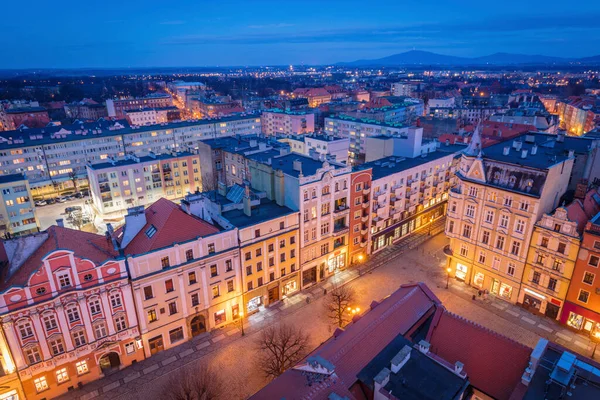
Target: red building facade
x=360 y=215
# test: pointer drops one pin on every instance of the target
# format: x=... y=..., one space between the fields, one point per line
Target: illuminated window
x=61 y=375
x=82 y=367
x=40 y=384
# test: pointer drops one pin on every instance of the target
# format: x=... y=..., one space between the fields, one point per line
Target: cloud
x=176 y=22
x=271 y=26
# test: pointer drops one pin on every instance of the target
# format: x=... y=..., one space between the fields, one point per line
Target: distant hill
x=418 y=57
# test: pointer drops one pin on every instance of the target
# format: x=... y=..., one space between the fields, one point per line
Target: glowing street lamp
x=448 y=270
x=595 y=337
x=353 y=311
x=242 y=322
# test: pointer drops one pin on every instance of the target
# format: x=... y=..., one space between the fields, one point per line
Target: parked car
x=69 y=198
x=61 y=199
x=79 y=195
x=40 y=203
x=50 y=201
x=69 y=210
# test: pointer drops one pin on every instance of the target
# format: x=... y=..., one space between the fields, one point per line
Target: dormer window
x=40 y=290
x=64 y=280
x=150 y=231
x=512 y=181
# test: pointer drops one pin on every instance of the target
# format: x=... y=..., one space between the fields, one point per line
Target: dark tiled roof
x=265 y=211
x=389 y=165
x=309 y=165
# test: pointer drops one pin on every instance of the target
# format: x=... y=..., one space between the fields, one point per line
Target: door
x=109 y=362
x=156 y=344
x=273 y=294
x=198 y=325
x=495 y=286
x=552 y=310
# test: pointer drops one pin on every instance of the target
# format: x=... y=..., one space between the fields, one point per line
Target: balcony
x=340 y=230
x=364 y=218
x=363 y=243
x=341 y=209
x=366 y=204
x=366 y=190
x=104 y=189
x=364 y=230
x=103 y=180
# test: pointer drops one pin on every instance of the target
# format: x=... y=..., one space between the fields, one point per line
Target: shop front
x=539 y=303
x=255 y=300
x=579 y=318
x=289 y=285
x=497 y=285
x=309 y=276
x=461 y=272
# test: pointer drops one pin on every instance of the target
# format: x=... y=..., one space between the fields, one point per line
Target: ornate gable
x=476 y=171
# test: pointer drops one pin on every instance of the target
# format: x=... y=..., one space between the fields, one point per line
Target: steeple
x=474 y=148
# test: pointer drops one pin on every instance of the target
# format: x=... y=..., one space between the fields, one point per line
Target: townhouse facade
x=501 y=192
x=139 y=181
x=48 y=156
x=17 y=209
x=282 y=122
x=359 y=235
x=67 y=310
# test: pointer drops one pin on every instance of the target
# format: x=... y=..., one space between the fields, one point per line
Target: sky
x=151 y=33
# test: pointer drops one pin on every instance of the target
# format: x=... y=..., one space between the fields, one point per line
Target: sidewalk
x=145 y=372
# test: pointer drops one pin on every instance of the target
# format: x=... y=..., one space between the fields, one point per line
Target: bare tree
x=194 y=382
x=280 y=348
x=73 y=178
x=77 y=219
x=337 y=303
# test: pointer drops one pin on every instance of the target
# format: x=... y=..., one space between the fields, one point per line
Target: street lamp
x=448 y=270
x=353 y=311
x=242 y=322
x=595 y=337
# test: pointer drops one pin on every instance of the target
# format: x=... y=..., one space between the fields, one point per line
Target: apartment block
x=118 y=107
x=116 y=186
x=17 y=209
x=153 y=116
x=281 y=122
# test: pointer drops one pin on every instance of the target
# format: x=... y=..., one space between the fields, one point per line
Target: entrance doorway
x=197 y=325
x=156 y=344
x=273 y=294
x=109 y=362
x=552 y=310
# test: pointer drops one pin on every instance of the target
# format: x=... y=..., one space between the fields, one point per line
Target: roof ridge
x=485 y=329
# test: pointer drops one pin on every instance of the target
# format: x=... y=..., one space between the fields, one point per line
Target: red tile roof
x=581 y=211
x=173 y=225
x=354 y=348
x=85 y=245
x=494 y=363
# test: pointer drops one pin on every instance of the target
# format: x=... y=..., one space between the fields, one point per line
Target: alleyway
x=232 y=354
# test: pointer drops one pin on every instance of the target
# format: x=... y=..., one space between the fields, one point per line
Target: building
x=280 y=122
x=10 y=384
x=118 y=107
x=501 y=192
x=315 y=96
x=85 y=110
x=212 y=108
x=269 y=244
x=17 y=209
x=30 y=117
x=390 y=109
x=444 y=102
x=319 y=190
x=407 y=89
x=116 y=186
x=153 y=116
x=407 y=346
x=49 y=155
x=67 y=310
x=359 y=235
x=332 y=147
x=408 y=194
x=577 y=114
x=185 y=272
x=543 y=121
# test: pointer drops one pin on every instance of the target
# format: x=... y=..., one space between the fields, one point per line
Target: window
x=169 y=286
x=249 y=270
x=516 y=248
x=293 y=240
x=271 y=248
x=496 y=263
x=561 y=248
x=500 y=242
x=293 y=253
x=544 y=243
x=150 y=231
x=189 y=255
x=64 y=280
x=520 y=226
x=40 y=384
x=49 y=322
x=552 y=284
x=259 y=266
x=467 y=231
x=470 y=211
x=220 y=317
x=88 y=277
x=211 y=248
x=148 y=292
x=120 y=323
x=56 y=346
x=588 y=278
x=282 y=271
x=282 y=257
x=450 y=226
x=524 y=206
x=250 y=286
x=464 y=250
x=79 y=338
x=152 y=315
x=100 y=330
x=192 y=278
x=508 y=201
x=230 y=286
x=195 y=300
x=282 y=225
x=73 y=314
x=33 y=355
x=214 y=271
x=82 y=367
x=248 y=256
x=473 y=191
x=61 y=375
x=271 y=261
x=536 y=278
x=326 y=207
x=257 y=252
x=165 y=262
x=584 y=296
x=215 y=291
x=503 y=221
x=257 y=233
x=511 y=269
x=594 y=260
x=482 y=257
x=282 y=243
x=485 y=237
x=271 y=276
x=260 y=281
x=176 y=335
x=172 y=308
x=557 y=227
x=115 y=299
x=556 y=266
x=95 y=307
x=228 y=266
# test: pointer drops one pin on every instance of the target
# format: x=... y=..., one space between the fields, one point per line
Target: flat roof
x=12 y=178
x=309 y=165
x=394 y=164
x=366 y=120
x=129 y=161
x=267 y=210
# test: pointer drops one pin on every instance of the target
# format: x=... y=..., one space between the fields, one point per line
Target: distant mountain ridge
x=419 y=57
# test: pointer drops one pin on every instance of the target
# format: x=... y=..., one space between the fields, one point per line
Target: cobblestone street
x=232 y=354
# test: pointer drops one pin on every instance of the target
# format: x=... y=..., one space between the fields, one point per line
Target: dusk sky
x=144 y=33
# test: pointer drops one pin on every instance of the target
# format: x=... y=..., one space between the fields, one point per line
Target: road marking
x=169 y=360
x=186 y=353
x=201 y=346
x=582 y=345
x=531 y=321
x=111 y=386
x=150 y=368
x=513 y=313
x=544 y=327
x=498 y=306
x=563 y=336
x=131 y=377
x=218 y=338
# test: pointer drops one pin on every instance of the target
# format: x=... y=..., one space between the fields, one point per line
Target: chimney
x=458 y=367
x=60 y=222
x=400 y=359
x=297 y=165
x=222 y=188
x=193 y=204
x=380 y=380
x=571 y=153
x=506 y=150
x=110 y=236
x=447 y=142
x=134 y=223
x=523 y=153
x=560 y=137
x=534 y=150
x=247 y=202
x=424 y=346
x=519 y=145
